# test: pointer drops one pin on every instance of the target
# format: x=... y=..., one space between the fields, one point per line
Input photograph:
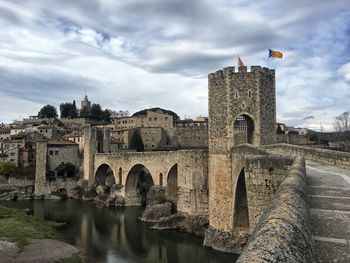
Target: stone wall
x=341 y=159
x=293 y=139
x=244 y=185
x=20 y=182
x=47 y=188
x=189 y=137
x=62 y=154
x=283 y=233
x=264 y=174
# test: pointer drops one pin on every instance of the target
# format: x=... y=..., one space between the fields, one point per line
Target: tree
x=96 y=112
x=342 y=122
x=66 y=170
x=106 y=116
x=7 y=168
x=84 y=113
x=136 y=142
x=118 y=114
x=48 y=111
x=68 y=110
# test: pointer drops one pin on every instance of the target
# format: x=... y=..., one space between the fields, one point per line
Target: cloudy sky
x=130 y=55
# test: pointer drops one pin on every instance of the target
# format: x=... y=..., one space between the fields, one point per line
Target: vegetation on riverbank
x=17 y=226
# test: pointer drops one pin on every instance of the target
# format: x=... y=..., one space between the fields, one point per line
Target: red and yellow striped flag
x=275 y=54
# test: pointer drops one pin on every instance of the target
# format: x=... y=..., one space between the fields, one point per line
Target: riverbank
x=24 y=238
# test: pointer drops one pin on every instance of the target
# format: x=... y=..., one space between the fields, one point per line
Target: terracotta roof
x=60 y=142
x=45 y=127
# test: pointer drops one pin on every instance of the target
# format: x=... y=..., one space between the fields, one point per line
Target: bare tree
x=341 y=126
x=342 y=122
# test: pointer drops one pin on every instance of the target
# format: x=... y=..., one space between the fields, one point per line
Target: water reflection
x=116 y=235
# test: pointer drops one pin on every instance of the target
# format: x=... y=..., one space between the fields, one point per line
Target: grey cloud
x=42 y=88
x=152 y=31
x=308 y=118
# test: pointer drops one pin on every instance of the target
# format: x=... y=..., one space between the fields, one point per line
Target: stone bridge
x=184 y=174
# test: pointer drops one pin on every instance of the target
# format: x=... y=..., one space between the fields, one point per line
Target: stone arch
x=61 y=192
x=241 y=213
x=51 y=176
x=120 y=175
x=161 y=179
x=103 y=172
x=138 y=182
x=172 y=184
x=243 y=129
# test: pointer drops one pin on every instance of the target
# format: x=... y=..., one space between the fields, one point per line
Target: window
x=149 y=119
x=56 y=152
x=166 y=118
x=152 y=145
x=12 y=154
x=50 y=152
x=46 y=131
x=155 y=118
x=249 y=94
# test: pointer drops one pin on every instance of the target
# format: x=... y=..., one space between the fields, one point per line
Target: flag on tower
x=275 y=54
x=240 y=62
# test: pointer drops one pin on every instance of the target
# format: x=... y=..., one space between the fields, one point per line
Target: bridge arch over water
x=182 y=173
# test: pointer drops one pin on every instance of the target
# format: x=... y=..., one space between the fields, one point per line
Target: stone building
x=49 y=131
x=53 y=153
x=145 y=119
x=161 y=129
x=76 y=136
x=5 y=133
x=54 y=160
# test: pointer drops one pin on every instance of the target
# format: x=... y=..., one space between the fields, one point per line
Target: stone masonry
x=233 y=94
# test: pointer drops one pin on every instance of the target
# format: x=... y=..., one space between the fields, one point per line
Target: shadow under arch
x=243 y=129
x=138 y=182
x=241 y=214
x=172 y=184
x=102 y=172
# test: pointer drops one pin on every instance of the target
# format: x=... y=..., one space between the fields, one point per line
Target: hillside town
x=152 y=129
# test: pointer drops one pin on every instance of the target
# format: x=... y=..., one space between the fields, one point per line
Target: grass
x=17 y=226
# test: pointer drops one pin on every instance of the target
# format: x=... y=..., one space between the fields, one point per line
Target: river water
x=116 y=235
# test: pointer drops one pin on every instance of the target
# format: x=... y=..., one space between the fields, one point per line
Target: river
x=116 y=235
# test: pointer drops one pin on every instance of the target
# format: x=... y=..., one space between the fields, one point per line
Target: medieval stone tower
x=242 y=109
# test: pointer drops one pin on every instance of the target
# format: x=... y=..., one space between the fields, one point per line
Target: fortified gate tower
x=242 y=109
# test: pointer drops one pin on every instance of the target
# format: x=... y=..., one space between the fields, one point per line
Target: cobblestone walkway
x=329 y=192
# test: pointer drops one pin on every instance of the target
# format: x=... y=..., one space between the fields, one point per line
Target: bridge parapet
x=330 y=157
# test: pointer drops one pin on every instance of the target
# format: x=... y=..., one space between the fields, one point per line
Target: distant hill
x=160 y=110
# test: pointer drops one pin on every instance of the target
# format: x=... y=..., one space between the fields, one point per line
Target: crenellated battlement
x=228 y=71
